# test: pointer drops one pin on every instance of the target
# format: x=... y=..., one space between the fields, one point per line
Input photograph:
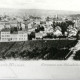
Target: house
x=14 y=37
x=7 y=26
x=30 y=25
x=31 y=30
x=58 y=28
x=23 y=25
x=19 y=36
x=22 y=35
x=72 y=31
x=13 y=23
x=49 y=23
x=1 y=27
x=4 y=22
x=5 y=35
x=40 y=35
x=57 y=31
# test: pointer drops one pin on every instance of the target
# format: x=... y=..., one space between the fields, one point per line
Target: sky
x=70 y=5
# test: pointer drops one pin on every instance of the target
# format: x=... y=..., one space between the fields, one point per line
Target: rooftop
x=5 y=30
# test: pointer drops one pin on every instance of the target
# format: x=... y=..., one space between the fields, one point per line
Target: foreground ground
x=37 y=49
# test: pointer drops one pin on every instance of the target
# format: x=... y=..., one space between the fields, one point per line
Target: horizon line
x=41 y=9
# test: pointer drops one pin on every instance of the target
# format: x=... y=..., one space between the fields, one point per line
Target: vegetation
x=32 y=35
x=77 y=55
x=36 y=53
x=63 y=25
x=40 y=49
x=39 y=29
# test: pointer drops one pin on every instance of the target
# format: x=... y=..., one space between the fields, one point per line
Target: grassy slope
x=9 y=47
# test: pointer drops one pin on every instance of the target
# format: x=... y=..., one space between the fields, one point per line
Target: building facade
x=6 y=36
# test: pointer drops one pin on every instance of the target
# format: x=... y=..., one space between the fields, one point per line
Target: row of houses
x=6 y=35
x=19 y=35
x=27 y=28
x=10 y=24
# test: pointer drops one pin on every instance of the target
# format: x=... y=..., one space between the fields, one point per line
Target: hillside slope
x=38 y=48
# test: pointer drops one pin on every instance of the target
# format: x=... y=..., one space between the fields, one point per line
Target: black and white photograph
x=40 y=39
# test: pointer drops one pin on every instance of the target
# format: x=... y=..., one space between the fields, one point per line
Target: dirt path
x=73 y=50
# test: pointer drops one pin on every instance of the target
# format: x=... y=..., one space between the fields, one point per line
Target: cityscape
x=33 y=28
x=35 y=36
x=40 y=39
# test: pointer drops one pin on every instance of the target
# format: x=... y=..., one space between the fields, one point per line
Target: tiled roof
x=5 y=30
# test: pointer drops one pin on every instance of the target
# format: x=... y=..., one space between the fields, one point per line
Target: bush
x=77 y=55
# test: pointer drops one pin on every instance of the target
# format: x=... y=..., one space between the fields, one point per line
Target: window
x=3 y=38
x=2 y=35
x=7 y=36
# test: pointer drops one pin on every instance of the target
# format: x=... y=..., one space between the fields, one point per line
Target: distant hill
x=34 y=12
x=75 y=16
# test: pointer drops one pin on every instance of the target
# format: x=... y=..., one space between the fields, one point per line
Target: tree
x=63 y=25
x=32 y=35
x=42 y=28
